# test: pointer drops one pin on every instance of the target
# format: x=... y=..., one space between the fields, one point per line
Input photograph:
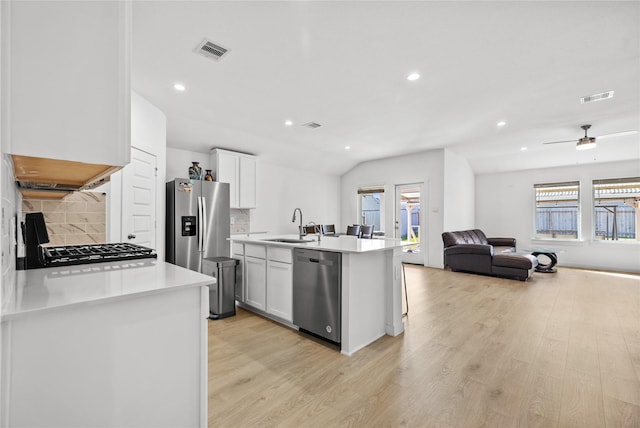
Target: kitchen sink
x=289 y=240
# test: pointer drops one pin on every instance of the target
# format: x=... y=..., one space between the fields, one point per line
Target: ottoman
x=520 y=266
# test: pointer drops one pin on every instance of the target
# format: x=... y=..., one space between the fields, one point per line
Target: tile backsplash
x=79 y=218
x=240 y=220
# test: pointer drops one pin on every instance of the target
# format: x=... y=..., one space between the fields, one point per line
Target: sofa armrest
x=502 y=242
x=469 y=249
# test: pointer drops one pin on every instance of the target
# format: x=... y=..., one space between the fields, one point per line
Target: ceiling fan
x=587 y=142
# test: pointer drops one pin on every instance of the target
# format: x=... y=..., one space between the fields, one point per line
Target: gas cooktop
x=82 y=254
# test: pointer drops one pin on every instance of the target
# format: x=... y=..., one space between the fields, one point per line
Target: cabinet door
x=279 y=289
x=256 y=282
x=66 y=70
x=227 y=169
x=247 y=182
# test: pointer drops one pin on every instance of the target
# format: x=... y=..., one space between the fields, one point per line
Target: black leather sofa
x=471 y=251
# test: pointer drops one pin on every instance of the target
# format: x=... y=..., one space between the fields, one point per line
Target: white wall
x=425 y=167
x=505 y=207
x=11 y=208
x=281 y=189
x=149 y=134
x=179 y=161
x=459 y=193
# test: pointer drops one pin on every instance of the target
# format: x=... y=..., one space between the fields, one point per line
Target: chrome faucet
x=293 y=219
x=316 y=228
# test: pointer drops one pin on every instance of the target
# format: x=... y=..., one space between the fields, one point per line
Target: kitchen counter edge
x=341 y=244
x=39 y=290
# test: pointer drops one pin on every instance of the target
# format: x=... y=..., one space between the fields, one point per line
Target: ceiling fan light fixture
x=586 y=143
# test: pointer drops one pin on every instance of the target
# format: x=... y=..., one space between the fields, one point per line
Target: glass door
x=408 y=221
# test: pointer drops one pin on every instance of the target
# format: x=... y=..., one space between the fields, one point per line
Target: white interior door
x=408 y=222
x=139 y=199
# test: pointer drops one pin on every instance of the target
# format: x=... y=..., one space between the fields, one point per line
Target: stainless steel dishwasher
x=317 y=277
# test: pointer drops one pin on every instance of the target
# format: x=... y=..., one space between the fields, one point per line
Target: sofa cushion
x=474 y=236
x=516 y=261
x=469 y=249
x=502 y=242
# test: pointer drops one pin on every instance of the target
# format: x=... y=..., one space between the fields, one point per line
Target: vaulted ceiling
x=344 y=65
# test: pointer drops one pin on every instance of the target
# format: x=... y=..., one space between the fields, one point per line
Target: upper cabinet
x=66 y=81
x=239 y=170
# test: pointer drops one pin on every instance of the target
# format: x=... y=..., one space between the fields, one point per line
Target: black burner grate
x=81 y=254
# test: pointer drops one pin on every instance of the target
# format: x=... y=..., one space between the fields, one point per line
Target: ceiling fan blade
x=558 y=142
x=616 y=134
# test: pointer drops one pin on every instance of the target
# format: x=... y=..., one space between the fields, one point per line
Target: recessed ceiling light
x=347 y=147
x=501 y=123
x=413 y=76
x=523 y=148
x=288 y=122
x=179 y=87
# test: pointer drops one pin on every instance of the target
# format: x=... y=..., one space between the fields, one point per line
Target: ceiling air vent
x=312 y=125
x=596 y=97
x=211 y=50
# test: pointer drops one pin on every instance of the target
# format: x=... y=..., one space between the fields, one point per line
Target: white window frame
x=363 y=190
x=559 y=195
x=628 y=195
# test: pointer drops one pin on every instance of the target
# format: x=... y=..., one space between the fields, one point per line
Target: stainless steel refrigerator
x=198 y=222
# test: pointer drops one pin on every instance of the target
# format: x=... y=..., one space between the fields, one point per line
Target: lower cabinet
x=279 y=289
x=255 y=282
x=138 y=360
x=267 y=280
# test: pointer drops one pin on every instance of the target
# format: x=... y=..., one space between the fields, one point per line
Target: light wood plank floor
x=560 y=350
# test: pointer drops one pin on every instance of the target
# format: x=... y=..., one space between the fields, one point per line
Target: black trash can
x=222 y=297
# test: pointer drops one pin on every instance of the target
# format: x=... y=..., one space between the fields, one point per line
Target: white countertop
x=48 y=288
x=341 y=244
x=257 y=232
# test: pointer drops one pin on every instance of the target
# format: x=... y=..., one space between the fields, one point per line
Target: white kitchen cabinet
x=66 y=80
x=268 y=279
x=239 y=170
x=227 y=168
x=124 y=344
x=247 y=182
x=280 y=289
x=255 y=282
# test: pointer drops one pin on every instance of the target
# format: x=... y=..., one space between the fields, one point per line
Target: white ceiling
x=344 y=65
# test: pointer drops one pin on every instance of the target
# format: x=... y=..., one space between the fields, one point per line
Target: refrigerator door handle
x=200 y=225
x=204 y=222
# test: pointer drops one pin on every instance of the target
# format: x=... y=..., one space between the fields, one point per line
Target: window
x=557 y=210
x=616 y=204
x=371 y=207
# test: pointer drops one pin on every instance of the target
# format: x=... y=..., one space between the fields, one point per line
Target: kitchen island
x=105 y=344
x=371 y=293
